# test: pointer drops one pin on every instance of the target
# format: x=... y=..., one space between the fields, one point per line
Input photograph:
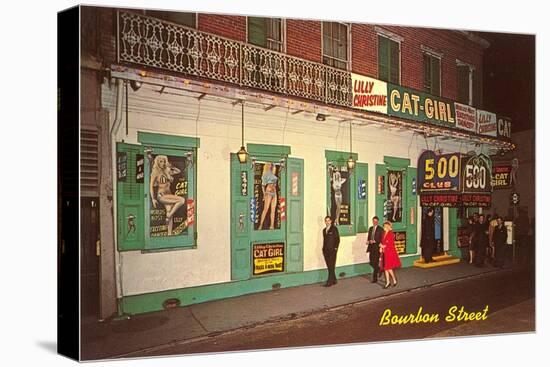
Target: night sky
x=509 y=78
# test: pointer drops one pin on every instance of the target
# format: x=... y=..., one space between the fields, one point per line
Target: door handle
x=241 y=222
x=98 y=248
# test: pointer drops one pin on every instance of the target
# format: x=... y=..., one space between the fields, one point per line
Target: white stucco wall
x=219 y=129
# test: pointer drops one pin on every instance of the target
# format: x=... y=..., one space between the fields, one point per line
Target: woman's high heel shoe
x=395 y=284
x=387 y=286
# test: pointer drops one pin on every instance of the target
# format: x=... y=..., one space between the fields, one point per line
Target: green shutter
x=257 y=29
x=130 y=203
x=361 y=213
x=240 y=221
x=383 y=58
x=411 y=209
x=394 y=62
x=380 y=197
x=295 y=215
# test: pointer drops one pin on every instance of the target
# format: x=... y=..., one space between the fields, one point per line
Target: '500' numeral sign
x=477 y=174
x=438 y=172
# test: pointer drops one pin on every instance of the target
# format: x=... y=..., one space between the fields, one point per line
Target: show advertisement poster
x=168 y=193
x=476 y=181
x=466 y=117
x=438 y=172
x=339 y=194
x=501 y=175
x=486 y=123
x=268 y=258
x=400 y=242
x=419 y=106
x=463 y=236
x=439 y=179
x=267 y=191
x=369 y=94
x=394 y=196
x=504 y=128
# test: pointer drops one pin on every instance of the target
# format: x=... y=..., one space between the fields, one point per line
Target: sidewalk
x=118 y=338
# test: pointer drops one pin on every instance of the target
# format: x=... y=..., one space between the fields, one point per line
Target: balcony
x=151 y=42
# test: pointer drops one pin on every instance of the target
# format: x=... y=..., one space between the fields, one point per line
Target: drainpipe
x=112 y=134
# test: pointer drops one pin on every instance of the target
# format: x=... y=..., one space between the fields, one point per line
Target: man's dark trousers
x=330 y=259
x=331 y=241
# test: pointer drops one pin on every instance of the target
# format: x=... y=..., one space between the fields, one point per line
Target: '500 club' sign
x=438 y=172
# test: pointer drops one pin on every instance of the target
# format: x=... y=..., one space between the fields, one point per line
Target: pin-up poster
x=267 y=191
x=395 y=196
x=168 y=189
x=339 y=194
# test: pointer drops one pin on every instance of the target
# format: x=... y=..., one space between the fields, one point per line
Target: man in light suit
x=374 y=237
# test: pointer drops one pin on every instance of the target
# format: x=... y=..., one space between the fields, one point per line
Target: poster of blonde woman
x=266 y=195
x=168 y=189
x=339 y=190
x=395 y=195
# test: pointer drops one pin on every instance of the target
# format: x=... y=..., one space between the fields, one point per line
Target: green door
x=241 y=189
x=249 y=235
x=295 y=215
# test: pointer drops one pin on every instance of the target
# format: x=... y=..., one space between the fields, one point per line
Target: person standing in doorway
x=389 y=255
x=331 y=241
x=482 y=240
x=500 y=234
x=427 y=239
x=474 y=220
x=374 y=237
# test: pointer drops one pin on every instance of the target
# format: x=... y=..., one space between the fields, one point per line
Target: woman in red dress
x=389 y=255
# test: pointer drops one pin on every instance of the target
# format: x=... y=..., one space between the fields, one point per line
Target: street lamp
x=350 y=162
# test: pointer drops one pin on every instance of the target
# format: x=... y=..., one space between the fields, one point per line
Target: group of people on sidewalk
x=487 y=240
x=380 y=248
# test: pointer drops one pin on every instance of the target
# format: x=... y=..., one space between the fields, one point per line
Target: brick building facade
x=161 y=89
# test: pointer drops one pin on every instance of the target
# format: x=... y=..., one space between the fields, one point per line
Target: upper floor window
x=186 y=19
x=266 y=32
x=336 y=44
x=469 y=84
x=389 y=59
x=432 y=74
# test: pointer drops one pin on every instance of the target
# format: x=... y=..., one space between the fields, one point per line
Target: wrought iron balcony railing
x=160 y=44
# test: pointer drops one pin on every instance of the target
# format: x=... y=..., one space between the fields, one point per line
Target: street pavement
x=163 y=332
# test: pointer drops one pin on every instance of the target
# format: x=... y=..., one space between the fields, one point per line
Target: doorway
x=90 y=257
x=438 y=227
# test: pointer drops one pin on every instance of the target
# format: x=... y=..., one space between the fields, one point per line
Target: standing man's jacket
x=500 y=234
x=331 y=238
x=373 y=248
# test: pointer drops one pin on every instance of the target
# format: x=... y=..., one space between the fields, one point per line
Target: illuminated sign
x=369 y=94
x=419 y=106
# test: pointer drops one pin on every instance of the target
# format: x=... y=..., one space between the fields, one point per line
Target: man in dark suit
x=500 y=235
x=374 y=237
x=482 y=241
x=427 y=236
x=331 y=241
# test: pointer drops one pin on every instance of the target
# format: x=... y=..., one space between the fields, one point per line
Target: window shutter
x=383 y=58
x=394 y=62
x=463 y=83
x=436 y=82
x=257 y=28
x=478 y=89
x=130 y=203
x=427 y=73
